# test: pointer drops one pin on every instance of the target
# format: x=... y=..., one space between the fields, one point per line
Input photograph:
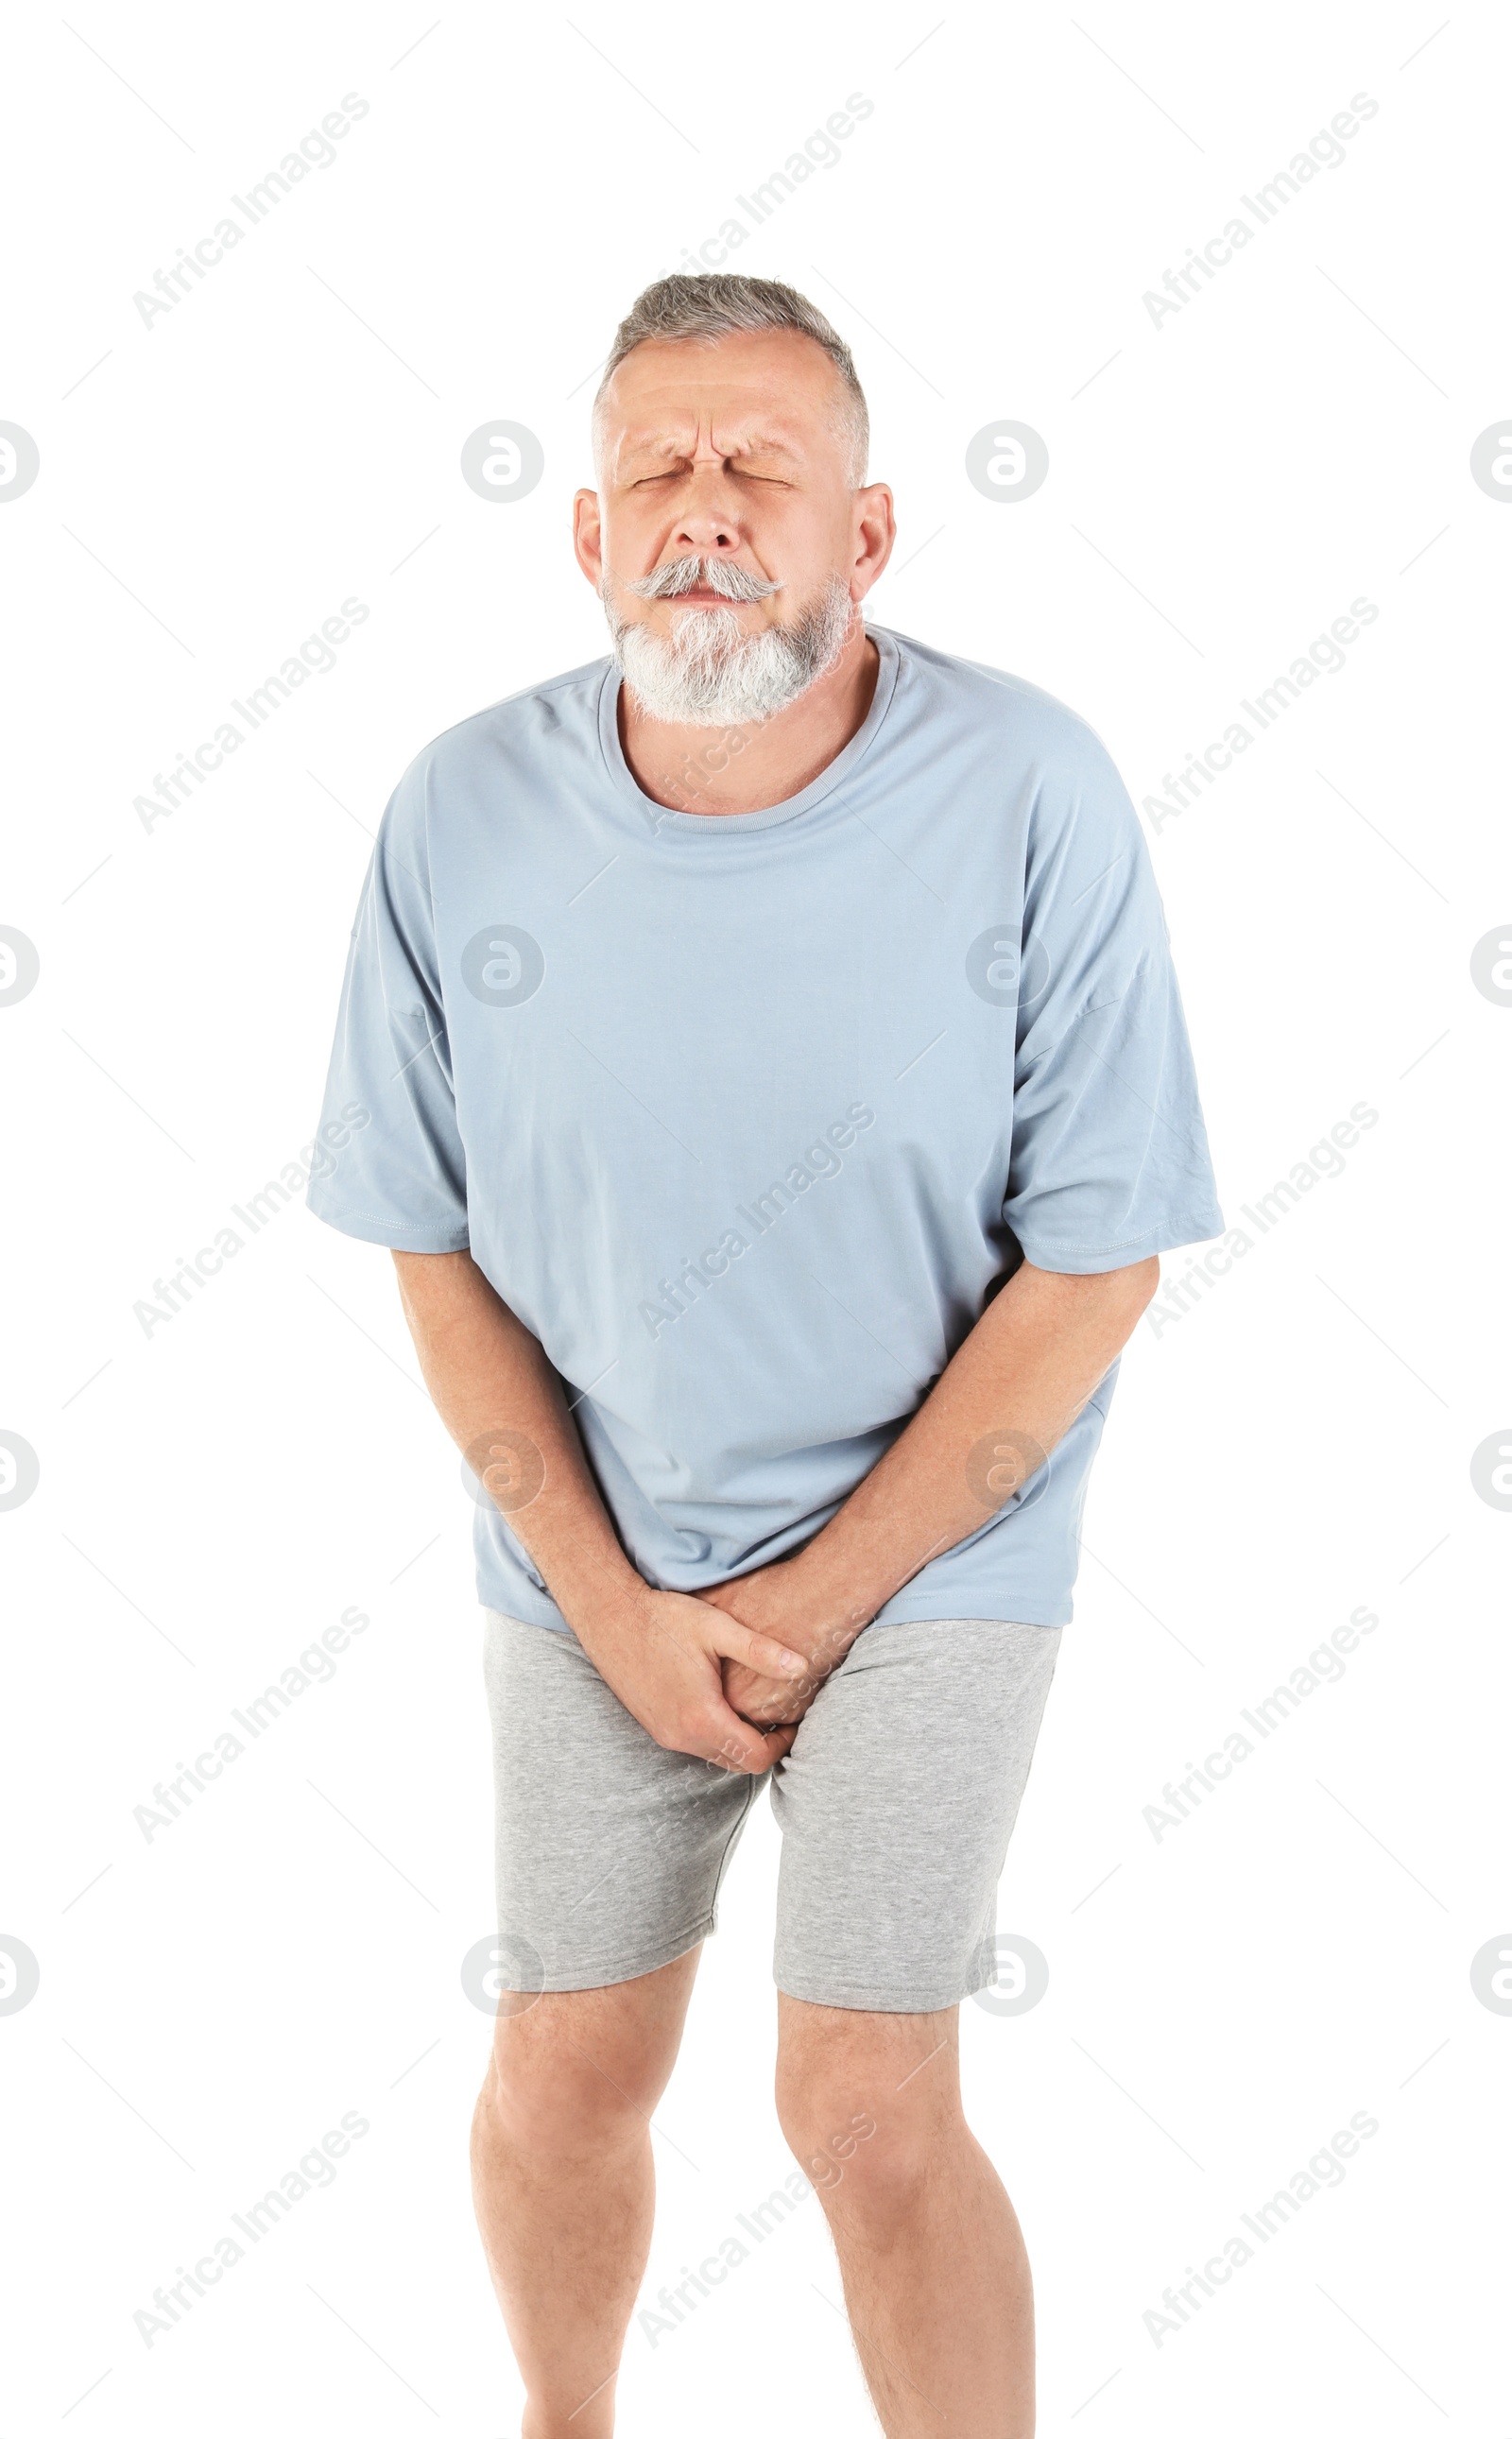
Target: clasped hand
x=773 y=1602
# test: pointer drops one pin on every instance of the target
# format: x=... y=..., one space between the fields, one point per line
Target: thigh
x=840 y=2067
x=572 y=2066
x=609 y=1850
x=897 y=1803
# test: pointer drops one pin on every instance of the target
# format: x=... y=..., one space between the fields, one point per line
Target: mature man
x=779 y=1096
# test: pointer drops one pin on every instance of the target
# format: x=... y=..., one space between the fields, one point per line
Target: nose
x=706 y=522
x=705 y=535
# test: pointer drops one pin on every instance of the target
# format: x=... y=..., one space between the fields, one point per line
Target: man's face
x=728 y=541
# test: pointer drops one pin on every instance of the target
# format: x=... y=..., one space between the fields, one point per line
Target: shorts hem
x=605 y=1977
x=880 y=2003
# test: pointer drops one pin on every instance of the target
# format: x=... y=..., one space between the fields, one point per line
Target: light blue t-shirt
x=746 y=1116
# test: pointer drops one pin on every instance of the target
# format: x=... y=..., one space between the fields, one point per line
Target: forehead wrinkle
x=737 y=441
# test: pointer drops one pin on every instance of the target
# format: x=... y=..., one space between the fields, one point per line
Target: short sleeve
x=389 y=1164
x=1110 y=1160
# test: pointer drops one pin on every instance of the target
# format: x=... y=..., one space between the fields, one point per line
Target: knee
x=545 y=2093
x=867 y=2153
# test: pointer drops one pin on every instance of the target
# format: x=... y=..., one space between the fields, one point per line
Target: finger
x=776 y=1735
x=762 y=1652
x=766 y=1712
x=741 y=1747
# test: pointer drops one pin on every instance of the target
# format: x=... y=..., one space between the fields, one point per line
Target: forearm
x=1010 y=1394
x=499 y=1397
x=502 y=1403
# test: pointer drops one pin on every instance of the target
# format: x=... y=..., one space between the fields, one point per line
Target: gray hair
x=713 y=305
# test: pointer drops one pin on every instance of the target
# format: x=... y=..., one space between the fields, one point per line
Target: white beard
x=710 y=673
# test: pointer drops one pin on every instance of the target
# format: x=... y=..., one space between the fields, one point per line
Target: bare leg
x=563 y=2185
x=936 y=2276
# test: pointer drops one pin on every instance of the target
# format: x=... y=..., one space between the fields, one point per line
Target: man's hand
x=662 y=1653
x=1011 y=1392
x=777 y=1602
x=697 y=1673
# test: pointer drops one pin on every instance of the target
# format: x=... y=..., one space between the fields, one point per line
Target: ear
x=876 y=530
x=587 y=536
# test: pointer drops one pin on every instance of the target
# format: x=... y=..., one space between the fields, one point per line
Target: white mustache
x=716 y=575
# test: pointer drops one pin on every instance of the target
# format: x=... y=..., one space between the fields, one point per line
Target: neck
x=746 y=769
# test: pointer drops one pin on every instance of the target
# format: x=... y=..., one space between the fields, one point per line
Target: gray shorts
x=896 y=1803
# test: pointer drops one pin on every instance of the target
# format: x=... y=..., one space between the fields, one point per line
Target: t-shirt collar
x=664 y=818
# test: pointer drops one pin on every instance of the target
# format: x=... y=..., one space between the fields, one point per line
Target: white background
x=1296 y=1447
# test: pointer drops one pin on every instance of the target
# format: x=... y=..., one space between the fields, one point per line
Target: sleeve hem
x=1198 y=1228
x=398 y=1236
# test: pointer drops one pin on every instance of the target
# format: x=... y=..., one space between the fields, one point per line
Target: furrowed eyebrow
x=662 y=450
x=764 y=444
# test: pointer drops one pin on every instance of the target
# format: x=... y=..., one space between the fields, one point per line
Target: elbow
x=1144 y=1282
